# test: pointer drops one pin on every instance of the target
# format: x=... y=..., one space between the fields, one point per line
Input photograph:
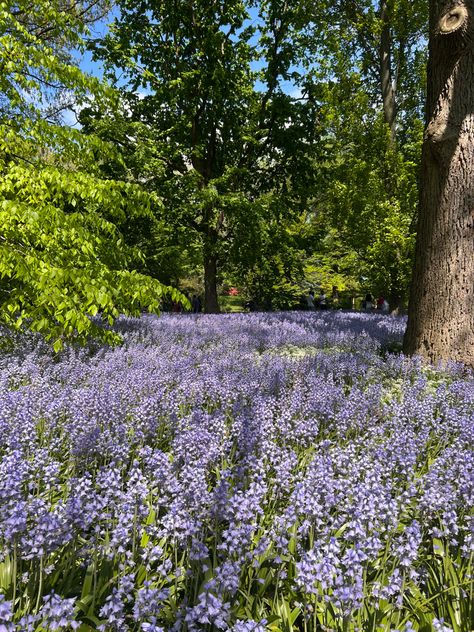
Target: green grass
x=231 y=304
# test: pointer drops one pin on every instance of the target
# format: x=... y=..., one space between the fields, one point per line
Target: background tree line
x=267 y=144
x=282 y=138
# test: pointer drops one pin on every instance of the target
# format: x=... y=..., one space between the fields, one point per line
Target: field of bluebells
x=265 y=472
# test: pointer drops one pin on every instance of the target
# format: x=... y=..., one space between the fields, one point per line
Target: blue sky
x=98 y=30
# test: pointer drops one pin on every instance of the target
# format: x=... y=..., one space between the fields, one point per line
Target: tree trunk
x=211 y=302
x=395 y=303
x=441 y=309
x=386 y=74
x=204 y=165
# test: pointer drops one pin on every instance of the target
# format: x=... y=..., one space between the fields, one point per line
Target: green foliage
x=34 y=60
x=366 y=194
x=267 y=112
x=240 y=126
x=64 y=268
x=334 y=264
x=376 y=226
x=229 y=151
x=347 y=37
x=62 y=261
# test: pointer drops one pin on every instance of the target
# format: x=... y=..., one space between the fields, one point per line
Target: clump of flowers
x=244 y=472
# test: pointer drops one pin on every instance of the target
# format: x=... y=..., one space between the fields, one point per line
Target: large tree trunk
x=441 y=308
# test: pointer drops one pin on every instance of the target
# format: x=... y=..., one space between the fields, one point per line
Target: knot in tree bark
x=453 y=20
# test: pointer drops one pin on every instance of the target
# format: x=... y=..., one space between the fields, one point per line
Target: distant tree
x=353 y=201
x=441 y=308
x=384 y=41
x=231 y=144
x=369 y=85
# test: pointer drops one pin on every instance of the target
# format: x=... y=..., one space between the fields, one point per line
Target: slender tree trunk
x=441 y=309
x=211 y=302
x=395 y=303
x=204 y=165
x=386 y=74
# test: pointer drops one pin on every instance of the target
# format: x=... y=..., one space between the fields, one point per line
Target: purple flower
x=6 y=611
x=206 y=453
x=209 y=610
x=58 y=613
x=249 y=626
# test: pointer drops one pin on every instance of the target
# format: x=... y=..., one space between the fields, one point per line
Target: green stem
x=275 y=596
x=471 y=590
x=40 y=586
x=15 y=561
x=94 y=582
x=346 y=623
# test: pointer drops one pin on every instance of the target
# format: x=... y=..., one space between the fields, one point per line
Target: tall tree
x=227 y=143
x=441 y=309
x=369 y=84
x=384 y=41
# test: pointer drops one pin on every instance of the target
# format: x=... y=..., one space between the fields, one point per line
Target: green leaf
x=58 y=345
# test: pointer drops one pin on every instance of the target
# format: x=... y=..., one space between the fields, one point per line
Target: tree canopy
x=63 y=259
x=203 y=84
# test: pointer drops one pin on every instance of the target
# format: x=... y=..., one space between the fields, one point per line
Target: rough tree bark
x=441 y=308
